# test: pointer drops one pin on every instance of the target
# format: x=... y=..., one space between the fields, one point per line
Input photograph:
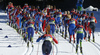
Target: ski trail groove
x=26 y=51
x=53 y=50
x=31 y=51
x=56 y=49
x=95 y=45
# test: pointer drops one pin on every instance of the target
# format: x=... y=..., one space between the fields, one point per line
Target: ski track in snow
x=19 y=47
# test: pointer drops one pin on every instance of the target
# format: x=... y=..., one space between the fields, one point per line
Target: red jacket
x=92 y=18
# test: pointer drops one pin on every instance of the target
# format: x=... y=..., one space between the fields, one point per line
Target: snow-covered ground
x=63 y=48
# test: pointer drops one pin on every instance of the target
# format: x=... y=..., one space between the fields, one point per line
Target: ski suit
x=72 y=24
x=52 y=25
x=79 y=30
x=66 y=19
x=91 y=24
x=30 y=30
x=84 y=17
x=37 y=21
x=79 y=36
x=19 y=18
x=58 y=20
x=47 y=46
x=45 y=20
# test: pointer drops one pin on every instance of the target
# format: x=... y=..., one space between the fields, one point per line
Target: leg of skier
x=77 y=39
x=73 y=37
x=89 y=29
x=29 y=36
x=93 y=29
x=32 y=34
x=53 y=29
x=81 y=38
x=70 y=33
x=81 y=43
x=65 y=32
x=63 y=27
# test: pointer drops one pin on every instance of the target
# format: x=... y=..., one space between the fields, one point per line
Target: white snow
x=90 y=8
x=19 y=47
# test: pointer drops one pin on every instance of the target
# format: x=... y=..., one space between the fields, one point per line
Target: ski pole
x=53 y=48
x=38 y=49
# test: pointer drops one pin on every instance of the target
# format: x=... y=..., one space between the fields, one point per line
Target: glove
x=52 y=42
x=26 y=32
x=36 y=32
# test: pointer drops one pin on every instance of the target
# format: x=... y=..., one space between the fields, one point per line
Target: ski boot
x=27 y=44
x=31 y=40
x=89 y=38
x=62 y=34
x=25 y=39
x=73 y=41
x=57 y=31
x=60 y=31
x=9 y=23
x=81 y=50
x=93 y=39
x=65 y=36
x=70 y=41
x=76 y=48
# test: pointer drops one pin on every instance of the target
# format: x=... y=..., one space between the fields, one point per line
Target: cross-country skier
x=72 y=24
x=91 y=26
x=30 y=31
x=84 y=18
x=58 y=20
x=64 y=18
x=10 y=9
x=47 y=46
x=51 y=22
x=86 y=25
x=66 y=24
x=79 y=36
x=26 y=6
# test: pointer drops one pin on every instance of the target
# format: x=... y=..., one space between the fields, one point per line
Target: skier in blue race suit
x=51 y=22
x=72 y=24
x=79 y=30
x=30 y=31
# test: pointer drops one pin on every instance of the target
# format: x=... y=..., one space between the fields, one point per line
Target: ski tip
x=9 y=46
x=6 y=36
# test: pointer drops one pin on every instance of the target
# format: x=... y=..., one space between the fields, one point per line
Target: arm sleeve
x=95 y=20
x=55 y=40
x=88 y=21
x=39 y=39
